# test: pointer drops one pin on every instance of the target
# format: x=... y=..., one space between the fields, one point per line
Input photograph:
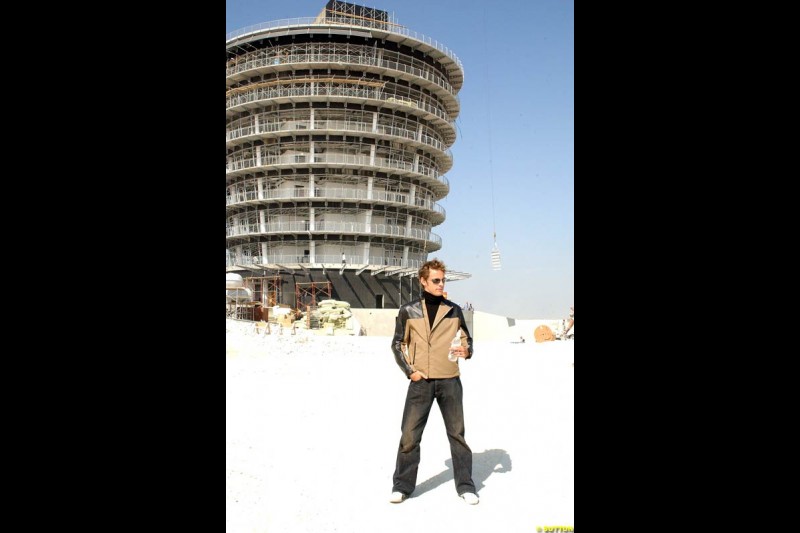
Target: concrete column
x=311 y=216
x=372 y=155
x=419 y=132
x=405 y=255
x=369 y=188
x=375 y=121
x=262 y=219
x=311 y=192
x=312 y=252
x=256 y=125
x=416 y=162
x=260 y=186
x=311 y=121
x=311 y=155
x=412 y=195
x=258 y=156
x=368 y=222
x=366 y=253
x=264 y=252
x=408 y=225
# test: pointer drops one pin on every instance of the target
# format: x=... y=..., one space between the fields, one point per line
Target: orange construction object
x=543 y=333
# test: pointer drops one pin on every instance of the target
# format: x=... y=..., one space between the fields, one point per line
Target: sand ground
x=313 y=425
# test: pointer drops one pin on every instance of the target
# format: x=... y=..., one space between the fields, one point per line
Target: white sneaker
x=397 y=497
x=471 y=498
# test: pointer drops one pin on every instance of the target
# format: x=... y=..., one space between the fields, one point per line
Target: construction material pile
x=333 y=314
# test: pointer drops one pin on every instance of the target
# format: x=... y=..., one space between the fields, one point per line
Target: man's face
x=428 y=284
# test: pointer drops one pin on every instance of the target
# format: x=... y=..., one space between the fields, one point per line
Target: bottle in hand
x=455 y=343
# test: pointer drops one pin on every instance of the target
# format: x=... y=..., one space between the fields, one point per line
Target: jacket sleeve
x=398 y=340
x=464 y=328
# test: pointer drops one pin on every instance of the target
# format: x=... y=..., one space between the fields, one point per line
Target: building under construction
x=338 y=129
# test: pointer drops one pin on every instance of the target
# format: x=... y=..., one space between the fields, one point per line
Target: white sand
x=313 y=425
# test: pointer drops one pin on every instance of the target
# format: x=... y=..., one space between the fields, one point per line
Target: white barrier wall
x=376 y=322
x=486 y=326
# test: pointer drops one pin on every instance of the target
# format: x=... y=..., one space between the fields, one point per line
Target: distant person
x=422 y=341
x=344 y=259
x=522 y=339
x=571 y=320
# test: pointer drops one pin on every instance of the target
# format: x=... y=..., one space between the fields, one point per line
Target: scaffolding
x=307 y=294
x=266 y=289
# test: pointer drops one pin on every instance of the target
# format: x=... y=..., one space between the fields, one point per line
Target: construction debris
x=333 y=315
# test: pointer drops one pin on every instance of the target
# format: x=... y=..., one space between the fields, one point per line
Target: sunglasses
x=437 y=281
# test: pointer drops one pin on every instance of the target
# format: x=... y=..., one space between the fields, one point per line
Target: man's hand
x=459 y=351
x=417 y=375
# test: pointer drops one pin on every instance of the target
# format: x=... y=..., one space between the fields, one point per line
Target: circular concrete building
x=338 y=129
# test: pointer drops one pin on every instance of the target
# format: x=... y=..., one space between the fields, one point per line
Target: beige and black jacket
x=418 y=346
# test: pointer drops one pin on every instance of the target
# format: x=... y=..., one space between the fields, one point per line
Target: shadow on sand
x=484 y=464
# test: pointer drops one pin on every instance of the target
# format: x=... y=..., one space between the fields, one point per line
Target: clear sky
x=518 y=98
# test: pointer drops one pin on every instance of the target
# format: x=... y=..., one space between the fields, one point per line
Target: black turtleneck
x=432 y=303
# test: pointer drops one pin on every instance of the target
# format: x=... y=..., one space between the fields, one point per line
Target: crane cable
x=495 y=250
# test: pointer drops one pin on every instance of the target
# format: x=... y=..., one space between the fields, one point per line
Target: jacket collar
x=441 y=311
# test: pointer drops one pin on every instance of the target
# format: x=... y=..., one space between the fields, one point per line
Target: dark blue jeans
x=419 y=400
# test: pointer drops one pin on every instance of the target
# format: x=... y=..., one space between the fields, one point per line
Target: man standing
x=422 y=341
